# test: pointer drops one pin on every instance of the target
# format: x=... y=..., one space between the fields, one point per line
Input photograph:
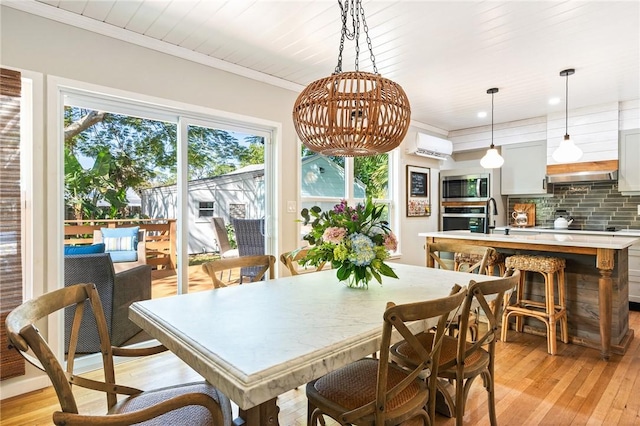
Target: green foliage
x=354 y=240
x=373 y=171
x=138 y=153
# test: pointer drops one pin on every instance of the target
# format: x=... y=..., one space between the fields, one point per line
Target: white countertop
x=615 y=241
x=535 y=229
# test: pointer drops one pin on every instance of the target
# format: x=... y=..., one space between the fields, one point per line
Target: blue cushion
x=120 y=239
x=92 y=249
x=123 y=256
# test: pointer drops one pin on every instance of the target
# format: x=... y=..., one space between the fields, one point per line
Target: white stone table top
x=259 y=340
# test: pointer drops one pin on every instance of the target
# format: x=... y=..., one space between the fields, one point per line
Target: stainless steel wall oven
x=460 y=216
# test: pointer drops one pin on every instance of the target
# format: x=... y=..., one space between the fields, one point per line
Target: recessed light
x=554 y=101
x=482 y=114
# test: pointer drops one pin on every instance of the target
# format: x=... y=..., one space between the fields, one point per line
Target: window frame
x=64 y=91
x=349 y=169
x=211 y=210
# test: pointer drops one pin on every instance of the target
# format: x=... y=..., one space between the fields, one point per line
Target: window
x=325 y=181
x=205 y=209
x=185 y=178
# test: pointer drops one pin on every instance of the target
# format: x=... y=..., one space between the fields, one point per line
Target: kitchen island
x=596 y=279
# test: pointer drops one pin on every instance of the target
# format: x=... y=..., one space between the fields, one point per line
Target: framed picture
x=418 y=201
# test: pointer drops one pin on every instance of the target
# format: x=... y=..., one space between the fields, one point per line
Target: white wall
x=32 y=43
x=50 y=48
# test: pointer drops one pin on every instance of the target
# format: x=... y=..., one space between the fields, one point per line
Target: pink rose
x=334 y=235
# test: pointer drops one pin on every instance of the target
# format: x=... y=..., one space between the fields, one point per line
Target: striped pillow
x=120 y=239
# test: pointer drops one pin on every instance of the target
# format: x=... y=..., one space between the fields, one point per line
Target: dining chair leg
x=491 y=396
x=460 y=397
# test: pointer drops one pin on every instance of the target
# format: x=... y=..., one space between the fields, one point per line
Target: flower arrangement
x=355 y=240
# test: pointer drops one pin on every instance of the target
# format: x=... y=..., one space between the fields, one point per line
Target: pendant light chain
x=369 y=45
x=356 y=10
x=352 y=113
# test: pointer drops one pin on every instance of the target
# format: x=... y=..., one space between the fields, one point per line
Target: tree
x=254 y=153
x=374 y=172
x=132 y=152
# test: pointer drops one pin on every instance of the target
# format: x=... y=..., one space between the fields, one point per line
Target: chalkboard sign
x=418 y=202
x=418 y=184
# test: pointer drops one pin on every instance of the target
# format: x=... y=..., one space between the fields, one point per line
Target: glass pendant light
x=492 y=159
x=567 y=152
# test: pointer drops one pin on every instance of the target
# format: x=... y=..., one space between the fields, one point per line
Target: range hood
x=583 y=172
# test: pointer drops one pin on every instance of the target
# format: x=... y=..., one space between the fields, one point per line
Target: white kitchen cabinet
x=629 y=172
x=524 y=169
x=634 y=273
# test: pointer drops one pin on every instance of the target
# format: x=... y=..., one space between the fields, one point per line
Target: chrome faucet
x=488 y=228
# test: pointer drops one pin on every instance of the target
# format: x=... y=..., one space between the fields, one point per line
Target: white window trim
x=59 y=87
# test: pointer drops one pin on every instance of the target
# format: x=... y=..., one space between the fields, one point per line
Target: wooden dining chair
x=261 y=264
x=192 y=403
x=291 y=258
x=465 y=258
x=461 y=360
x=476 y=258
x=376 y=392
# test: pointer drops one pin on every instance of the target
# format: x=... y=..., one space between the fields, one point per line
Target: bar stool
x=548 y=311
x=495 y=260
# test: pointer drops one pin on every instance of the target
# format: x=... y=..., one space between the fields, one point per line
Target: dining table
x=256 y=341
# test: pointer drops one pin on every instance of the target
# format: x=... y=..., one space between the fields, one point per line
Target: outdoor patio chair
x=127 y=246
x=250 y=240
x=223 y=239
x=117 y=291
x=184 y=404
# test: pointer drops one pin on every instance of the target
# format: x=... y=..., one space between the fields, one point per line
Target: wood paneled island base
x=596 y=278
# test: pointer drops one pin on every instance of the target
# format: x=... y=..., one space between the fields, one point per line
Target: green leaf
x=387 y=271
x=343 y=272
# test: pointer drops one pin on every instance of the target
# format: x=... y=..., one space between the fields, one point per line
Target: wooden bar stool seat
x=494 y=260
x=548 y=311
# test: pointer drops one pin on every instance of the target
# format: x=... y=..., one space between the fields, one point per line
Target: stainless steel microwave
x=465 y=187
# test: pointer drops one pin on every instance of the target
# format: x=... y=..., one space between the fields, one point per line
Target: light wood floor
x=575 y=387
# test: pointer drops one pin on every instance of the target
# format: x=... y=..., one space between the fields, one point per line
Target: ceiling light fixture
x=567 y=152
x=492 y=159
x=354 y=113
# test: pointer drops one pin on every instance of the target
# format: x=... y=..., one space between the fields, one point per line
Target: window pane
x=371 y=177
x=322 y=176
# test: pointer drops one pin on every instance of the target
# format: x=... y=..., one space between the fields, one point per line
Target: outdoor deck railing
x=160 y=240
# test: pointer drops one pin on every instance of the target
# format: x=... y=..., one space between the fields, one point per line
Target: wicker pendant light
x=355 y=113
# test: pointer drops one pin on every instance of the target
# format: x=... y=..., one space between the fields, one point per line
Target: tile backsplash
x=592 y=204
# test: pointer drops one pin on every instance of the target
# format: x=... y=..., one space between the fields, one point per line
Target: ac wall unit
x=430 y=146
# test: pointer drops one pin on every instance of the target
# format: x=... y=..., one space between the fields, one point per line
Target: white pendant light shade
x=568 y=151
x=492 y=159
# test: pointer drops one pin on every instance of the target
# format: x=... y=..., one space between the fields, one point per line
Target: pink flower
x=334 y=235
x=390 y=242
